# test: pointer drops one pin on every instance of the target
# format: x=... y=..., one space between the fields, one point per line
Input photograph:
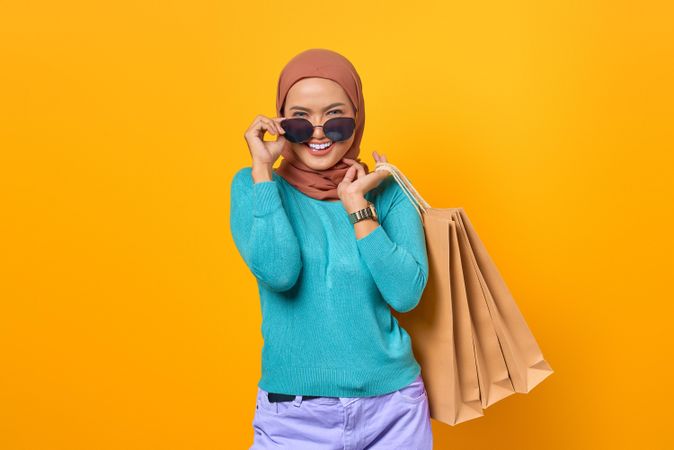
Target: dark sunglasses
x=299 y=130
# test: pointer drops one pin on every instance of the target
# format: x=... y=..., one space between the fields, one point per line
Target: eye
x=338 y=111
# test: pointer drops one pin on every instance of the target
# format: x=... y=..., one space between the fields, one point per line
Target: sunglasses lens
x=339 y=128
x=297 y=130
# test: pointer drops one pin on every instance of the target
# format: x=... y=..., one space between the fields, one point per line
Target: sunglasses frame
x=314 y=126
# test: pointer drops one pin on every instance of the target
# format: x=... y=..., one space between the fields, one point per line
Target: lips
x=319 y=152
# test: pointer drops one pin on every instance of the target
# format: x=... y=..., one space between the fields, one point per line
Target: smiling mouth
x=319 y=152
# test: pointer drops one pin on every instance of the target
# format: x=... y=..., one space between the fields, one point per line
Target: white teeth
x=320 y=146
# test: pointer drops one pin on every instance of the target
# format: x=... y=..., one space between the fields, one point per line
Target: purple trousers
x=397 y=420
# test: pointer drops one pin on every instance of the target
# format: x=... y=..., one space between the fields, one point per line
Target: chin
x=321 y=162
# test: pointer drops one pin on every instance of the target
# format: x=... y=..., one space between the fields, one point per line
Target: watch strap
x=362 y=214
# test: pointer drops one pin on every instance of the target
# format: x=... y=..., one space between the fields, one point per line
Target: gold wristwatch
x=368 y=212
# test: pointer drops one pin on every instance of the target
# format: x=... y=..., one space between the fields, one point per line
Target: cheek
x=344 y=147
x=299 y=149
x=341 y=151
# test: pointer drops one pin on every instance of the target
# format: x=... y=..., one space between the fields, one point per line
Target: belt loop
x=297 y=401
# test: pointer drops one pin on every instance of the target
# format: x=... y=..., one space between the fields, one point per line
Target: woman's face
x=317 y=100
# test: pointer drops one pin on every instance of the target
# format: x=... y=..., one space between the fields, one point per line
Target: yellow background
x=129 y=321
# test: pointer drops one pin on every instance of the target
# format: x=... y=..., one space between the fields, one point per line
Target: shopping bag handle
x=417 y=200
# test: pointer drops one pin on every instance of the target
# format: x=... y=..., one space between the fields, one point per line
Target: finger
x=257 y=126
x=261 y=126
x=270 y=126
x=277 y=127
x=350 y=173
x=376 y=156
x=360 y=169
x=277 y=121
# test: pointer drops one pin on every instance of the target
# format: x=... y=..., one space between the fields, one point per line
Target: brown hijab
x=322 y=63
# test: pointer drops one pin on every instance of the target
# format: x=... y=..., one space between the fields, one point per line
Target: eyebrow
x=325 y=109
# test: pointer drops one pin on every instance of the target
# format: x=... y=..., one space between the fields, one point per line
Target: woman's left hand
x=357 y=183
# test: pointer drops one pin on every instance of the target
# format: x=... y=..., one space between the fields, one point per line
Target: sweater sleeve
x=395 y=253
x=262 y=231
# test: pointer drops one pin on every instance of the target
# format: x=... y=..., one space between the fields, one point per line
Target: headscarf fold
x=322 y=63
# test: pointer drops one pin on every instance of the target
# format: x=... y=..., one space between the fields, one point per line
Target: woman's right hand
x=265 y=152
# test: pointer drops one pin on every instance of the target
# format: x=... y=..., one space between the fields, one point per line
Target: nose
x=318 y=132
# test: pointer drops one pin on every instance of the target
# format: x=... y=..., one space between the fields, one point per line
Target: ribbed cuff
x=266 y=198
x=376 y=244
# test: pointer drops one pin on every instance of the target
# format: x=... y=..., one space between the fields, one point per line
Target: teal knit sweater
x=325 y=295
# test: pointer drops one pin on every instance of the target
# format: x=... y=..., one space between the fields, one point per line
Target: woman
x=333 y=247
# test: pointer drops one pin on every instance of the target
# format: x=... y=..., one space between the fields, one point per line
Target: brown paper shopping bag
x=468 y=335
